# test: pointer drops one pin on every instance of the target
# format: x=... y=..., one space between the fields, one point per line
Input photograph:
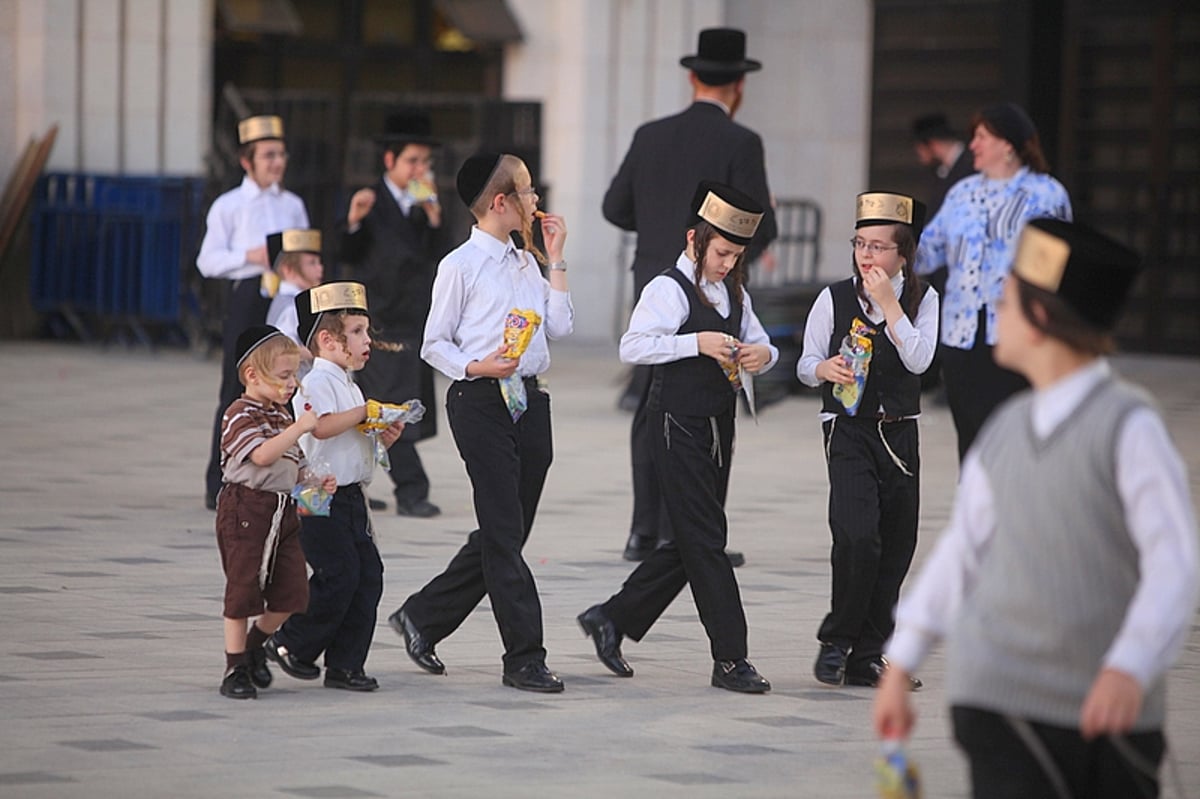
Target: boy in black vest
x=695 y=326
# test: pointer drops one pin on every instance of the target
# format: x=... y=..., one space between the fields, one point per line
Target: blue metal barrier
x=114 y=248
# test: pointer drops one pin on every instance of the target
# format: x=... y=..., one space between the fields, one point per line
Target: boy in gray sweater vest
x=1067 y=578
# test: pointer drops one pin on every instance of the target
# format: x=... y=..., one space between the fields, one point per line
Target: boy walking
x=1067 y=579
x=499 y=416
x=257 y=525
x=347 y=572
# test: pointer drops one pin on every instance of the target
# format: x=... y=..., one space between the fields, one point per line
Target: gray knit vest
x=1060 y=571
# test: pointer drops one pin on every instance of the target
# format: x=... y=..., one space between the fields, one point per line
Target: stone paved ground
x=110 y=588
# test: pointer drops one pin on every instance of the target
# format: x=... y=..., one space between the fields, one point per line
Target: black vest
x=889 y=384
x=696 y=386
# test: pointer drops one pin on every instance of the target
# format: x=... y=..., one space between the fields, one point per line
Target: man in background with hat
x=1066 y=581
x=650 y=195
x=234 y=249
x=392 y=237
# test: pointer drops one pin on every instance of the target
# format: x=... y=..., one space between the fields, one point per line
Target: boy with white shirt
x=1067 y=579
x=498 y=414
x=234 y=249
x=347 y=572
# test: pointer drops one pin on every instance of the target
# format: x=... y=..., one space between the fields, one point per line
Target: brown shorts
x=243 y=523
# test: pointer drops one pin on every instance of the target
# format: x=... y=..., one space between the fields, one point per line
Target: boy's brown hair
x=335 y=323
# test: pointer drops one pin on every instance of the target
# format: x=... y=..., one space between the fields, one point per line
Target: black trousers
x=1004 y=767
x=650 y=518
x=691 y=461
x=507 y=463
x=873 y=510
x=345 y=586
x=975 y=385
x=246 y=307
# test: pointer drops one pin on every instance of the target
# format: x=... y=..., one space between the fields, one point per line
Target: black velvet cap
x=1088 y=271
x=251 y=339
x=1011 y=122
x=474 y=174
x=734 y=214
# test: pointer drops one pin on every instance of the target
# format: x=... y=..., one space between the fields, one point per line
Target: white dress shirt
x=662 y=309
x=350 y=455
x=477 y=284
x=240 y=220
x=915 y=343
x=1152 y=483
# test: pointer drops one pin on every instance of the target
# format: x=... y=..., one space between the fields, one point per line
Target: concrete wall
x=603 y=67
x=127 y=82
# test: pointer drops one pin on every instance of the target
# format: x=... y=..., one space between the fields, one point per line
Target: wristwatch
x=558 y=266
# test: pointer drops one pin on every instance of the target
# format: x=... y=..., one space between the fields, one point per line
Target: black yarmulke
x=474 y=175
x=251 y=338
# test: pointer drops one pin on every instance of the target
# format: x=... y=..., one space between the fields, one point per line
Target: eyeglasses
x=873 y=248
x=525 y=192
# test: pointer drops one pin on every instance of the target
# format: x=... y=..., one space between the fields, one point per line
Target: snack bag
x=896 y=776
x=381 y=416
x=856 y=351
x=311 y=498
x=519 y=327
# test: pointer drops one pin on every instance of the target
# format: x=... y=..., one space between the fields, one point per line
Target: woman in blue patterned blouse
x=974 y=235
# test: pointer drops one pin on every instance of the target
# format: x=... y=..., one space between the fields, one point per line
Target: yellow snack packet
x=519 y=327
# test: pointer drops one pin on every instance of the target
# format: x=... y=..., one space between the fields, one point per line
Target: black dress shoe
x=870 y=673
x=349 y=680
x=607 y=638
x=740 y=676
x=376 y=504
x=534 y=676
x=735 y=558
x=639 y=547
x=419 y=648
x=291 y=665
x=830 y=667
x=421 y=509
x=260 y=675
x=237 y=685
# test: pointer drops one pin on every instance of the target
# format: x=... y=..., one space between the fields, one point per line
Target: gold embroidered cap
x=735 y=215
x=261 y=127
x=1089 y=272
x=341 y=296
x=889 y=208
x=293 y=240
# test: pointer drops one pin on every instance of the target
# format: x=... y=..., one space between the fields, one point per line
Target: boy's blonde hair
x=262 y=358
x=290 y=260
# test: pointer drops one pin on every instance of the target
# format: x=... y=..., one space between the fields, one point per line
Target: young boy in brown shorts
x=257 y=524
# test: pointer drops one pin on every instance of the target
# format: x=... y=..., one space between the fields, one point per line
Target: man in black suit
x=391 y=237
x=650 y=194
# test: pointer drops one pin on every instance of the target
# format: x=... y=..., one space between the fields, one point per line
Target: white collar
x=325 y=365
x=1054 y=403
x=253 y=190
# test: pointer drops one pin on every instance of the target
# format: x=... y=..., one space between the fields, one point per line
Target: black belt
x=530 y=382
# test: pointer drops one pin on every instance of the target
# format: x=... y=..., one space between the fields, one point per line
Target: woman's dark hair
x=736 y=277
x=906 y=248
x=1030 y=152
x=1060 y=321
